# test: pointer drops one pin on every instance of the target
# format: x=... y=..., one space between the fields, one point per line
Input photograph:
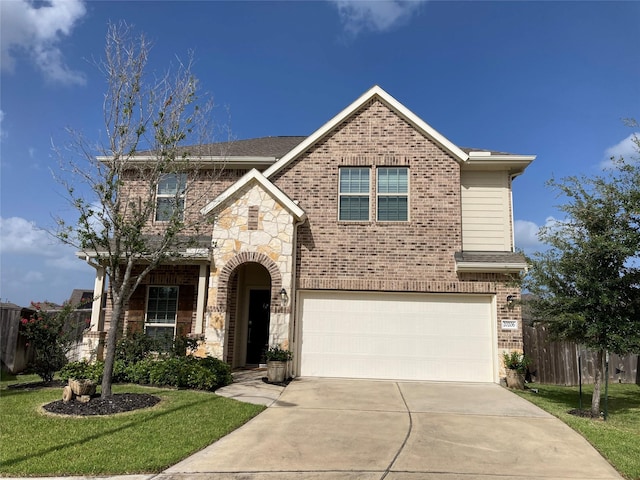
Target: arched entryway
x=249 y=314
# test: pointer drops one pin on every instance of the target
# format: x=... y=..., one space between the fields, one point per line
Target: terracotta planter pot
x=515 y=379
x=276 y=371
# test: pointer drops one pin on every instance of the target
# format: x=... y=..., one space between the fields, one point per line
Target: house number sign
x=509 y=324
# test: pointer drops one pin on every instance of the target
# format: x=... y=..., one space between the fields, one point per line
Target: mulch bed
x=583 y=413
x=116 y=403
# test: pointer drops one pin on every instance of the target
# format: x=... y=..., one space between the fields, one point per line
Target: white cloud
x=526 y=234
x=36 y=266
x=33 y=277
x=627 y=149
x=375 y=15
x=21 y=236
x=37 y=30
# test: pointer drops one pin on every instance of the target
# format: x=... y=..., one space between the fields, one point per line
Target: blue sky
x=554 y=79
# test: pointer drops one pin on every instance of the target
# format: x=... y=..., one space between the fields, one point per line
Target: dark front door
x=258 y=332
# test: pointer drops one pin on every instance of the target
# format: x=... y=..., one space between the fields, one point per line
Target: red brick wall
x=387 y=255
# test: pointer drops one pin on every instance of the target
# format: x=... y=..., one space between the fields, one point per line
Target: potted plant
x=516 y=364
x=277 y=359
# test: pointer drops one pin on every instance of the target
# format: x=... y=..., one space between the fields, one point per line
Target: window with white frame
x=393 y=194
x=170 y=196
x=354 y=194
x=162 y=310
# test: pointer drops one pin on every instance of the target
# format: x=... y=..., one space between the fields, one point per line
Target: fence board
x=556 y=363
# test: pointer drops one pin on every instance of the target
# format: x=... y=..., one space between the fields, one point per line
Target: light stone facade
x=270 y=244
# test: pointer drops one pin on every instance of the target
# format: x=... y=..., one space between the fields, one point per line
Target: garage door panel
x=397 y=336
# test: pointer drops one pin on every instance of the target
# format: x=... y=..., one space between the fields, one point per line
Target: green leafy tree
x=112 y=185
x=586 y=285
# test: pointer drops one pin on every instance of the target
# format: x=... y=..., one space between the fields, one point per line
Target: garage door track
x=359 y=429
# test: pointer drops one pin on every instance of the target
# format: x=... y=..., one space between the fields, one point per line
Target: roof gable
x=254 y=176
x=390 y=102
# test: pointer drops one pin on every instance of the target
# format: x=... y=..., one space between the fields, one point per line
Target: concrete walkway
x=358 y=429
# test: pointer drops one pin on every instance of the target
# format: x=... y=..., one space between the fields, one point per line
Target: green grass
x=617 y=438
x=144 y=441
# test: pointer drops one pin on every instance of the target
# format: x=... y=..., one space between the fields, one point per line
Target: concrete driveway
x=359 y=429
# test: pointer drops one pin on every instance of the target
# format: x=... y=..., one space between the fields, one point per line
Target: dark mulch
x=116 y=403
x=282 y=384
x=583 y=413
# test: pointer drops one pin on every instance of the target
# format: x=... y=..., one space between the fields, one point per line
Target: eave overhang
x=490 y=262
x=485 y=160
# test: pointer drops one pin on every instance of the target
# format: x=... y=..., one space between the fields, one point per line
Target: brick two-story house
x=373 y=248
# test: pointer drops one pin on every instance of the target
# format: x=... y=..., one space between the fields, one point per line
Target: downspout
x=293 y=323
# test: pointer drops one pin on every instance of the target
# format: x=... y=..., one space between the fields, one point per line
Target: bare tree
x=124 y=223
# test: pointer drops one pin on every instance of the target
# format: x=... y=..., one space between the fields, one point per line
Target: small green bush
x=140 y=372
x=135 y=347
x=82 y=369
x=170 y=372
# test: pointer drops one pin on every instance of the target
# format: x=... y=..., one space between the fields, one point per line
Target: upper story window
x=170 y=196
x=354 y=194
x=393 y=194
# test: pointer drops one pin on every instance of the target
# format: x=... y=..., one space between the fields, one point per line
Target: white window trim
x=182 y=196
x=378 y=194
x=341 y=194
x=162 y=325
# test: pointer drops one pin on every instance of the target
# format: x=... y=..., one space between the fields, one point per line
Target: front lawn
x=617 y=439
x=143 y=441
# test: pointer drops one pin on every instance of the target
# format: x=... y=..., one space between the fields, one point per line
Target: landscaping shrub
x=140 y=372
x=47 y=333
x=135 y=347
x=170 y=372
x=82 y=369
x=180 y=372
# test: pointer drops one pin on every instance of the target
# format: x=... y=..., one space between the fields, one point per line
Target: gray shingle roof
x=253 y=147
x=489 y=257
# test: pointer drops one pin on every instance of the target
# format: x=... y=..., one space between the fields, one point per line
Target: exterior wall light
x=510 y=301
x=284 y=298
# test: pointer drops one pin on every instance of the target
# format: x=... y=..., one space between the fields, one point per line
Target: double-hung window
x=170 y=196
x=393 y=193
x=354 y=194
x=162 y=310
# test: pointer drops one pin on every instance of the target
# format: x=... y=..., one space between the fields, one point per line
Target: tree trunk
x=597 y=384
x=110 y=351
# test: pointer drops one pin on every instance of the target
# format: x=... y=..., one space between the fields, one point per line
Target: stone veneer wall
x=412 y=256
x=271 y=245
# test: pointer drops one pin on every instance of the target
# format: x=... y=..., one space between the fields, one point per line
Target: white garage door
x=397 y=336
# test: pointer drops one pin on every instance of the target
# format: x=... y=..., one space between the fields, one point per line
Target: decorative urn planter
x=277 y=359
x=276 y=371
x=515 y=380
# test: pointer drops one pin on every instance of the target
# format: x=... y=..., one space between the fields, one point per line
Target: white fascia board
x=255 y=175
x=515 y=163
x=487 y=267
x=353 y=107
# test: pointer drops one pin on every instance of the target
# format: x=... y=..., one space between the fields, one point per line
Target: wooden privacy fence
x=556 y=363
